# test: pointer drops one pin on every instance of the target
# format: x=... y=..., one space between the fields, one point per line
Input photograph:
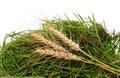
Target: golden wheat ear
x=67 y=41
x=56 y=54
x=61 y=55
x=41 y=39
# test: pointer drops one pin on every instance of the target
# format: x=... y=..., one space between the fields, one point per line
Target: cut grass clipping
x=62 y=49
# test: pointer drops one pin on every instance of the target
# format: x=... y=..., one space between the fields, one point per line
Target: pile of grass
x=62 y=49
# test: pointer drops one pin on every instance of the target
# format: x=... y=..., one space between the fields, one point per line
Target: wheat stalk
x=76 y=47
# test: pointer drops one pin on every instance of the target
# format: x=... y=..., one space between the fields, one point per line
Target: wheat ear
x=75 y=46
x=56 y=54
x=61 y=55
x=69 y=42
x=41 y=39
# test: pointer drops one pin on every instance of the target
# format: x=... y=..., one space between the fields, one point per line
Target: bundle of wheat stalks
x=63 y=48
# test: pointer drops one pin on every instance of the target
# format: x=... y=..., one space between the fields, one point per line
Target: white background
x=18 y=15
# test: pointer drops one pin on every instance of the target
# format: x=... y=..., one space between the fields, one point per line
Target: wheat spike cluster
x=58 y=51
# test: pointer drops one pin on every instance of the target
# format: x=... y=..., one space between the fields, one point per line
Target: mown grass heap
x=62 y=49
